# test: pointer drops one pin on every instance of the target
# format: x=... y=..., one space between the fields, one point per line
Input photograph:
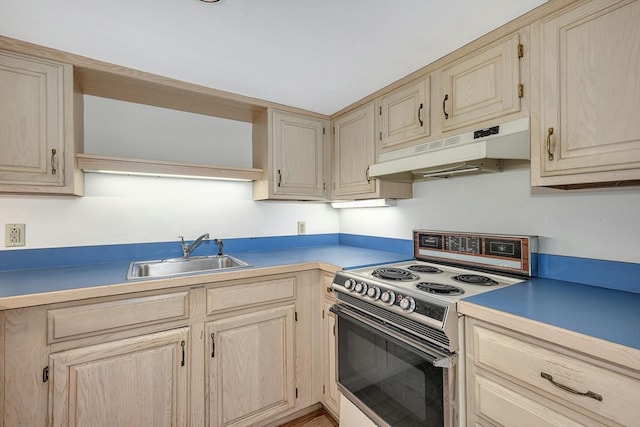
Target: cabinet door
x=354 y=151
x=405 y=114
x=481 y=86
x=139 y=381
x=252 y=365
x=589 y=95
x=330 y=389
x=32 y=127
x=298 y=152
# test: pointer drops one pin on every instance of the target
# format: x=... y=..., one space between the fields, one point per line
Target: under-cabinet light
x=369 y=203
x=167 y=175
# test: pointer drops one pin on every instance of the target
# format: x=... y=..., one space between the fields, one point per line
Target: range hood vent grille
x=478 y=151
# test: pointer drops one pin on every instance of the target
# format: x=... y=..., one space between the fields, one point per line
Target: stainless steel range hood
x=478 y=151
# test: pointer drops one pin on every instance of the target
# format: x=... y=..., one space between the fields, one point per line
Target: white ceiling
x=319 y=55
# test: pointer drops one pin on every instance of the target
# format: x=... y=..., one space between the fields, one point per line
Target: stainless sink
x=177 y=266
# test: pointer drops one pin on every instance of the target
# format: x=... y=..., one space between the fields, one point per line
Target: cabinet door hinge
x=334 y=330
x=380 y=136
x=323 y=314
x=323 y=132
x=520 y=50
x=380 y=110
x=323 y=389
x=334 y=130
x=296 y=392
x=324 y=186
x=45 y=374
x=520 y=90
x=295 y=316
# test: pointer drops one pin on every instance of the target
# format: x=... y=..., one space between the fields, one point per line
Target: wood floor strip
x=318 y=418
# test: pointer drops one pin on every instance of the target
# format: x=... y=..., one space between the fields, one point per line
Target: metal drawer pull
x=549 y=143
x=590 y=394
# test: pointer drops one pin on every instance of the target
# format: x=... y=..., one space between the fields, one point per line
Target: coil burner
x=475 y=279
x=396 y=274
x=419 y=268
x=439 y=288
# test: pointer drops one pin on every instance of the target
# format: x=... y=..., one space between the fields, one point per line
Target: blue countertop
x=36 y=281
x=609 y=314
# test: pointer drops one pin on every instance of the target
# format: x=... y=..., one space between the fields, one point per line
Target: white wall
x=124 y=129
x=131 y=209
x=601 y=224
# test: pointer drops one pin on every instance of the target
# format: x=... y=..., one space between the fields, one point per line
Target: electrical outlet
x=302 y=227
x=14 y=235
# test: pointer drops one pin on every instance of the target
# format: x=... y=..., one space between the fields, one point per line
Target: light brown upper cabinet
x=291 y=150
x=354 y=149
x=482 y=85
x=38 y=140
x=585 y=127
x=405 y=114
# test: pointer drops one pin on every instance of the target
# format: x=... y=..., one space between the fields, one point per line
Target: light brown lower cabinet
x=138 y=381
x=231 y=353
x=330 y=392
x=251 y=372
x=514 y=379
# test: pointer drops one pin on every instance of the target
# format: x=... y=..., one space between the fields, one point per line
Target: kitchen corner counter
x=28 y=287
x=594 y=320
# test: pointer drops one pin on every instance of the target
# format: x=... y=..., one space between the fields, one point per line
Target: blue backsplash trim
x=400 y=246
x=84 y=255
x=623 y=276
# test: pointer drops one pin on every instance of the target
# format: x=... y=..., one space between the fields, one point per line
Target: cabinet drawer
x=245 y=295
x=91 y=319
x=506 y=407
x=526 y=363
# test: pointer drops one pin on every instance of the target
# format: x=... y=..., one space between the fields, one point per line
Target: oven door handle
x=435 y=357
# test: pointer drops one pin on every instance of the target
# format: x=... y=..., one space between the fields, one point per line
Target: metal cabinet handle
x=53 y=159
x=549 y=143
x=444 y=107
x=182 y=344
x=590 y=394
x=366 y=174
x=420 y=116
x=213 y=344
x=279 y=178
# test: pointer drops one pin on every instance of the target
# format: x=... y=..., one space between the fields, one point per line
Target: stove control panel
x=388 y=298
x=504 y=253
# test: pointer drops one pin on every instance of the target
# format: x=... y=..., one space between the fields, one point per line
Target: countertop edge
x=30 y=300
x=588 y=345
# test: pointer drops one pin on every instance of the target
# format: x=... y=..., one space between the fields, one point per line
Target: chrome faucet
x=188 y=248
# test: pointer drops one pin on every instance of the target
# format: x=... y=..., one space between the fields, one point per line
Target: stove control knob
x=349 y=284
x=361 y=288
x=388 y=297
x=373 y=292
x=408 y=304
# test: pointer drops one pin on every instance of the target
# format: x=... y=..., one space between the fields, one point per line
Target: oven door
x=393 y=377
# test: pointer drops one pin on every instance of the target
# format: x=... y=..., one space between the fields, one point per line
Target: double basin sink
x=181 y=266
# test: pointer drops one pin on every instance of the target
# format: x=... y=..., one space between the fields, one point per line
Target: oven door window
x=393 y=380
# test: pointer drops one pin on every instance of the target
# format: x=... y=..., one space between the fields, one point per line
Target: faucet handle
x=220 y=245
